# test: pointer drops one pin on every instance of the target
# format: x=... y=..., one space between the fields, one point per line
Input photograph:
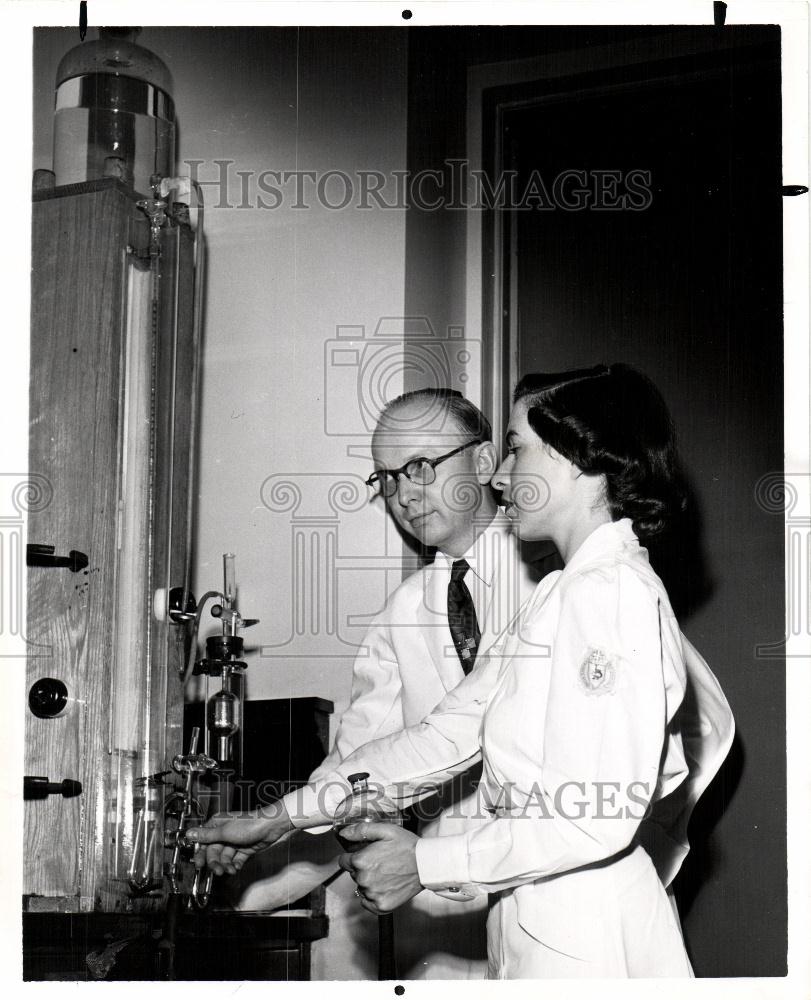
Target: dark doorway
x=686 y=283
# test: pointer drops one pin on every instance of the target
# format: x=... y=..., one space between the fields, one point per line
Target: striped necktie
x=462 y=617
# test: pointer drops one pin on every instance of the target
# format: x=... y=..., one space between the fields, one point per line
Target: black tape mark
x=82 y=19
x=792 y=190
x=719 y=13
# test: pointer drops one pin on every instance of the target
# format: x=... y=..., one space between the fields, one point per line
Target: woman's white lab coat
x=573 y=711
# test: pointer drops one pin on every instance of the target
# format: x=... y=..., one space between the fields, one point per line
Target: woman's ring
x=357 y=892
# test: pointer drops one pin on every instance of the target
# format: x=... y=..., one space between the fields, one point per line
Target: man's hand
x=385 y=872
x=226 y=842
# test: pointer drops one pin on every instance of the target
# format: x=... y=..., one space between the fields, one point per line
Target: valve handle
x=43 y=555
x=38 y=787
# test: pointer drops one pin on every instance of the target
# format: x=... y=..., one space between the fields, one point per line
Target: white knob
x=160 y=607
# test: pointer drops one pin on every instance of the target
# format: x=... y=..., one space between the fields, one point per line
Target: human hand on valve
x=228 y=841
x=385 y=871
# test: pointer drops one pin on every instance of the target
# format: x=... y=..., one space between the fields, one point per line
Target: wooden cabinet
x=112 y=442
x=112 y=408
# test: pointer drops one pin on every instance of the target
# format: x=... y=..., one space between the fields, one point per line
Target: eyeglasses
x=421 y=471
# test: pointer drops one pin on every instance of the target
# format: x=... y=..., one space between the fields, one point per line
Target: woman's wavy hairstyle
x=611 y=420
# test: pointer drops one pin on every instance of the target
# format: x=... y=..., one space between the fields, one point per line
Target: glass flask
x=363 y=805
x=114 y=114
x=370 y=805
x=223 y=719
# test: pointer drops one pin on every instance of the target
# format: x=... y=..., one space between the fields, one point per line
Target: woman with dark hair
x=610 y=422
x=573 y=711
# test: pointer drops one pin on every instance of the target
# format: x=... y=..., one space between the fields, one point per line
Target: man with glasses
x=433 y=458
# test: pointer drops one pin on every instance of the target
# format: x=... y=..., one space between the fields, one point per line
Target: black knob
x=37 y=787
x=224 y=647
x=182 y=605
x=47 y=697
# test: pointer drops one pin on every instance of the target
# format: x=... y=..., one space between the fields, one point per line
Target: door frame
x=495 y=88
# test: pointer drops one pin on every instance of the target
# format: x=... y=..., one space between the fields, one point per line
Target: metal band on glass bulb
x=108 y=92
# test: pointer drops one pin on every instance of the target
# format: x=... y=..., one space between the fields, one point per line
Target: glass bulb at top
x=114 y=114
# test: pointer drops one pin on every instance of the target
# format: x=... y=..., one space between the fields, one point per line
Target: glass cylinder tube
x=229 y=578
x=135 y=812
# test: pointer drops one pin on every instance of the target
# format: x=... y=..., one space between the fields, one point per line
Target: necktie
x=462 y=617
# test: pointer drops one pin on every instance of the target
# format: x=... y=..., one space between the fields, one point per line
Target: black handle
x=36 y=787
x=386 y=963
x=43 y=555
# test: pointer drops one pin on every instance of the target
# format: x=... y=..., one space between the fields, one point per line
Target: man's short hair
x=468 y=418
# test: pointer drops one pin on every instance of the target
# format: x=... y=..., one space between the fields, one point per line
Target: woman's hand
x=226 y=842
x=385 y=872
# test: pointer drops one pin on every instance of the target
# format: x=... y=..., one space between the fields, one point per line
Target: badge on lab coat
x=598 y=672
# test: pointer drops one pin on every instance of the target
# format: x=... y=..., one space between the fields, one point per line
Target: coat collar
x=606 y=541
x=485 y=554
